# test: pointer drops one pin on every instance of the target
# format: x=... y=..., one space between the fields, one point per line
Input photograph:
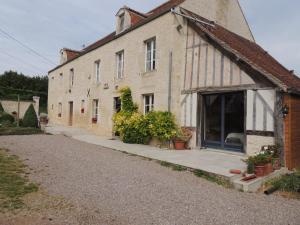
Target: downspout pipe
x=170 y=80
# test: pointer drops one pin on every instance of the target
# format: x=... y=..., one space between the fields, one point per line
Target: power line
x=24 y=62
x=27 y=47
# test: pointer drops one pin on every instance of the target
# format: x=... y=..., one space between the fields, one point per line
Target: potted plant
x=274 y=151
x=262 y=163
x=182 y=138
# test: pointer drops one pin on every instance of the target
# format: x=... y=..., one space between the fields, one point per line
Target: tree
x=30 y=118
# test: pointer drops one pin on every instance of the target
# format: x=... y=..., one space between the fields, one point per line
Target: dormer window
x=122 y=22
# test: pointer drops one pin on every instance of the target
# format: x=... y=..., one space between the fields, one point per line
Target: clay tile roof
x=153 y=14
x=249 y=51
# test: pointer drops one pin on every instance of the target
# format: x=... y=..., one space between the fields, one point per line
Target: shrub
x=162 y=125
x=289 y=182
x=30 y=118
x=127 y=102
x=134 y=127
x=6 y=117
x=1 y=108
x=6 y=123
x=136 y=130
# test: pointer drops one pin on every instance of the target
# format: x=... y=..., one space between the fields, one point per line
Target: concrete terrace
x=218 y=163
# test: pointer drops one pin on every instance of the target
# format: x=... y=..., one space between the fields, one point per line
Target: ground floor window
x=224 y=121
x=59 y=109
x=148 y=103
x=117 y=104
x=95 y=118
x=82 y=109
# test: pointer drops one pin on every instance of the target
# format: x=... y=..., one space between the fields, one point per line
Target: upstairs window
x=120 y=64
x=97 y=71
x=71 y=78
x=148 y=103
x=122 y=22
x=150 y=59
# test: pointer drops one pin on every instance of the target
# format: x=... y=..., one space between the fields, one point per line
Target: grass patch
x=213 y=178
x=173 y=166
x=4 y=131
x=289 y=183
x=13 y=184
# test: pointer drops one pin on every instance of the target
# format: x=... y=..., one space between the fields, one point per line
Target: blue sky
x=47 y=26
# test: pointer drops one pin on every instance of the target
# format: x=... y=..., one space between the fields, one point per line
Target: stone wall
x=12 y=106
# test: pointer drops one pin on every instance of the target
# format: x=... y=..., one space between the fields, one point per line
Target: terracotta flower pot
x=260 y=171
x=269 y=169
x=94 y=120
x=276 y=164
x=82 y=110
x=179 y=145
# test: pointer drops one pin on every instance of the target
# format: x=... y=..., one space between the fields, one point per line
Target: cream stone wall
x=168 y=39
x=227 y=13
x=254 y=143
x=12 y=106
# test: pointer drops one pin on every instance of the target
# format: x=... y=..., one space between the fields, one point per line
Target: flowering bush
x=162 y=125
x=259 y=159
x=134 y=127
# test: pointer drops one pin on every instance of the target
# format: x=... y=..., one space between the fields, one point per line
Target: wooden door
x=70 y=113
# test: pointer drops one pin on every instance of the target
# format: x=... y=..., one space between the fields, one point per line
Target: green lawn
x=13 y=183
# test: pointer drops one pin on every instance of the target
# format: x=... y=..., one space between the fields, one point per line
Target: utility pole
x=18 y=114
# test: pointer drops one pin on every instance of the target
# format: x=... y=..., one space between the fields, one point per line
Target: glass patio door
x=224 y=121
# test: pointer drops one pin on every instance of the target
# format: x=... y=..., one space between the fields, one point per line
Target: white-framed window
x=120 y=64
x=122 y=22
x=71 y=78
x=59 y=109
x=148 y=103
x=150 y=57
x=96 y=110
x=97 y=71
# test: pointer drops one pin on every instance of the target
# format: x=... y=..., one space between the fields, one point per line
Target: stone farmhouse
x=195 y=58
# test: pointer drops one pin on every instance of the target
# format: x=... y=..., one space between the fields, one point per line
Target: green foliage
x=288 y=183
x=13 y=84
x=162 y=125
x=30 y=118
x=1 y=108
x=13 y=185
x=6 y=117
x=213 y=178
x=5 y=131
x=259 y=159
x=127 y=102
x=134 y=127
x=136 y=130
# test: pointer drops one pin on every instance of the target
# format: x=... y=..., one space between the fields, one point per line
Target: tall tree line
x=13 y=84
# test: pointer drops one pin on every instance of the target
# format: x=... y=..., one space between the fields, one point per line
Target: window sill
x=148 y=73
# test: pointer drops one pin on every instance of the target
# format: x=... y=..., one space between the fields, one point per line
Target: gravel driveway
x=114 y=188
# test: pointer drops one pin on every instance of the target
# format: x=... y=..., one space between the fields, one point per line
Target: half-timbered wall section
x=207 y=69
